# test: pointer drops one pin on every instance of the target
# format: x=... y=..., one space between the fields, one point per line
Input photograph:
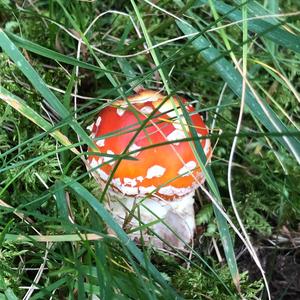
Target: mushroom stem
x=174 y=221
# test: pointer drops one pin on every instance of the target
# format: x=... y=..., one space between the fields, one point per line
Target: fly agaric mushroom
x=160 y=183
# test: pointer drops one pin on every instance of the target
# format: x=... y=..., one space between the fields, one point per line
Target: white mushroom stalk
x=155 y=192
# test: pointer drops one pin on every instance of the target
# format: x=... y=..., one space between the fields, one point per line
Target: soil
x=282 y=267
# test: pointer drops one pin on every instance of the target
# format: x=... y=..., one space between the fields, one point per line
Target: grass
x=62 y=62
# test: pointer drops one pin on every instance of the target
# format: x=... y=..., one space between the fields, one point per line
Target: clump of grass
x=197 y=284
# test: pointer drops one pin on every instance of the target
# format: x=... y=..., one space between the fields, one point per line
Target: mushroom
x=158 y=186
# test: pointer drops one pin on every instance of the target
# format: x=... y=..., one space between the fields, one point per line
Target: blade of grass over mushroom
x=259 y=109
x=142 y=126
x=31 y=162
x=264 y=28
x=225 y=236
x=124 y=239
x=70 y=146
x=188 y=247
x=12 y=51
x=221 y=221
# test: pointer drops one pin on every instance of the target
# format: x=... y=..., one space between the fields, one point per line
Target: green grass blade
x=52 y=238
x=61 y=202
x=10 y=295
x=234 y=80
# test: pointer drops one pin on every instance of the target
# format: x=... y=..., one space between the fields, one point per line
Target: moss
x=197 y=284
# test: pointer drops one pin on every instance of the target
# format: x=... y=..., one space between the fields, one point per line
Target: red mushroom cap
x=169 y=171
